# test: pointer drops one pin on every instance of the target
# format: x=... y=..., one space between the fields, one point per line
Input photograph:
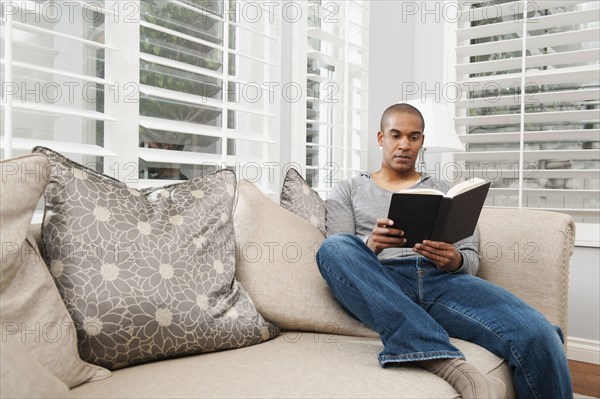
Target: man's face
x=401 y=139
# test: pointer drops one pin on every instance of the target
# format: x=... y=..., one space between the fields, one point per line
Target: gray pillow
x=149 y=274
x=300 y=199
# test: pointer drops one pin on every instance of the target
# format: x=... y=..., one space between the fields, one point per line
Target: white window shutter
x=556 y=142
x=53 y=65
x=330 y=122
x=207 y=93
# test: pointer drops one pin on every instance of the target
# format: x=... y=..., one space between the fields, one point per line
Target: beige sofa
x=320 y=352
x=309 y=364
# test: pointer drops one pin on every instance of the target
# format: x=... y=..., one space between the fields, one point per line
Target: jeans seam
x=339 y=278
x=418 y=356
x=518 y=358
x=515 y=353
x=447 y=306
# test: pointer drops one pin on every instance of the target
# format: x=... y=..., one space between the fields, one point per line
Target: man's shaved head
x=401 y=108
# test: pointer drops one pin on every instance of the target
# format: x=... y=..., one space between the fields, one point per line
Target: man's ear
x=422 y=140
x=380 y=137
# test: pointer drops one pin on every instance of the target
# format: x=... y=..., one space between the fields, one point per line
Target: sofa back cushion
x=23 y=376
x=32 y=311
x=276 y=263
x=147 y=275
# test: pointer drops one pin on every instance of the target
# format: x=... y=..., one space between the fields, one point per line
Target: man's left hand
x=445 y=256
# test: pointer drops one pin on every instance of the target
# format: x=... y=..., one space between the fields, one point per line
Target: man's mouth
x=402 y=157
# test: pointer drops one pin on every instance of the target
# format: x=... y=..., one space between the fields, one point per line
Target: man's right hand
x=384 y=236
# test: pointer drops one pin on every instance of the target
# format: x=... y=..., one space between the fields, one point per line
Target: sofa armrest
x=527 y=252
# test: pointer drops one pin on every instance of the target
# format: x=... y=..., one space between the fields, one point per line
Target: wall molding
x=583 y=350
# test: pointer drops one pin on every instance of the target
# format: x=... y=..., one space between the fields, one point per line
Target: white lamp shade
x=440 y=134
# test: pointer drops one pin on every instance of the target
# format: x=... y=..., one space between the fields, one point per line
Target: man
x=415 y=298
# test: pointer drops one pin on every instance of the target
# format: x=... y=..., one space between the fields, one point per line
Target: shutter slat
x=60 y=72
x=316 y=33
x=313 y=121
x=195 y=158
x=177 y=157
x=251 y=57
x=510 y=45
x=325 y=58
x=335 y=147
x=180 y=127
x=198 y=100
x=565 y=57
x=585 y=73
x=529 y=137
x=192 y=68
x=573 y=212
x=565 y=193
x=494 y=173
x=44 y=31
x=198 y=10
x=536 y=23
x=529 y=155
x=319 y=78
x=247 y=136
x=54 y=109
x=512 y=9
x=180 y=65
x=180 y=35
x=93 y=6
x=199 y=130
x=587 y=95
x=180 y=96
x=205 y=13
x=540 y=117
x=62 y=147
x=30 y=6
x=255 y=31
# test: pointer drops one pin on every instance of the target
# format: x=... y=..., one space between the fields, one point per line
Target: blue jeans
x=415 y=307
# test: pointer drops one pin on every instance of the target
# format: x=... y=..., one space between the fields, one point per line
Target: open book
x=428 y=214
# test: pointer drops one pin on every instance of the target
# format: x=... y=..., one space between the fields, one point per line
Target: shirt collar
x=424 y=175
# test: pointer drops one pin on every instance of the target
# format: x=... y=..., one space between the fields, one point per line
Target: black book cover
x=415 y=214
x=463 y=214
x=435 y=217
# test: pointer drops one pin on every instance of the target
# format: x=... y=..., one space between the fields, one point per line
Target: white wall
x=412 y=51
x=391 y=52
x=398 y=56
x=584 y=293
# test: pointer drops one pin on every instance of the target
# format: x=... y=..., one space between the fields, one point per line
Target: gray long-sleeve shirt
x=354 y=205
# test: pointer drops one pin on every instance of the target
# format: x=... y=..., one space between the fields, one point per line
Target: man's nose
x=403 y=144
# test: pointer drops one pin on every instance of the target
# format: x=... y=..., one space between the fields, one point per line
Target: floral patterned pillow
x=300 y=199
x=146 y=275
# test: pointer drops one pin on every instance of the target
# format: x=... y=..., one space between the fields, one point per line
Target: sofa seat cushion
x=295 y=364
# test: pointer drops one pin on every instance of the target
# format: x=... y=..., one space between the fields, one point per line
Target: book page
x=428 y=191
x=465 y=186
